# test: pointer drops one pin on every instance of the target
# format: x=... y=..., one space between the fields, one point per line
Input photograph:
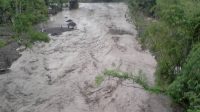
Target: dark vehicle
x=71 y=25
x=73 y=4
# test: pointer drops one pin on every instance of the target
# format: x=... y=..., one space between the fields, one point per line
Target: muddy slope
x=60 y=76
x=8 y=53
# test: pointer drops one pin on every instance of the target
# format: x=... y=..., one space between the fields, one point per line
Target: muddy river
x=59 y=76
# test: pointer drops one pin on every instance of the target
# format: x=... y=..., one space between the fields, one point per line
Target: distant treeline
x=173 y=36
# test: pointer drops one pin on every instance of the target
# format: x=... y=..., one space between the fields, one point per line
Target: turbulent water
x=59 y=76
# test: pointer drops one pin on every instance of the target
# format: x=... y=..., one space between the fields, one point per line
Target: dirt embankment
x=60 y=76
x=8 y=53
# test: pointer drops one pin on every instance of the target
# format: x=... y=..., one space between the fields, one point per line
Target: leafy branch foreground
x=139 y=79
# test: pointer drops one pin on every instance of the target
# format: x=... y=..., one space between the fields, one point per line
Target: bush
x=38 y=36
x=99 y=79
x=23 y=26
x=2 y=43
x=140 y=79
x=168 y=50
x=145 y=6
x=172 y=38
x=186 y=88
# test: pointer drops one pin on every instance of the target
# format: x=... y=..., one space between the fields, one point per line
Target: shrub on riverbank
x=22 y=15
x=2 y=43
x=38 y=36
x=171 y=38
x=186 y=87
x=146 y=6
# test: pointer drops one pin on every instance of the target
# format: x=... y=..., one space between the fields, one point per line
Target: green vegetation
x=173 y=36
x=56 y=5
x=114 y=73
x=38 y=36
x=140 y=79
x=22 y=15
x=98 y=80
x=186 y=88
x=102 y=0
x=146 y=6
x=2 y=43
